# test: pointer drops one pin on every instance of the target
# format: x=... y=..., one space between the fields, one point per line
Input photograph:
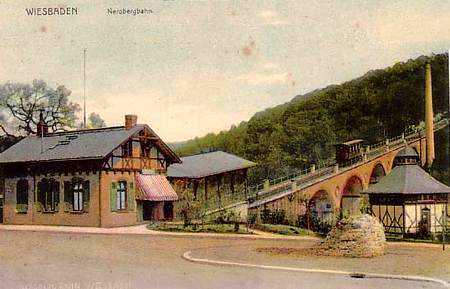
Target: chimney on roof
x=130 y=121
x=42 y=128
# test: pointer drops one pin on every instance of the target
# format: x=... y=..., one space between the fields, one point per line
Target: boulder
x=356 y=236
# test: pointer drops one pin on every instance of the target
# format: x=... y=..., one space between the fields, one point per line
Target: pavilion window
x=121 y=195
x=22 y=196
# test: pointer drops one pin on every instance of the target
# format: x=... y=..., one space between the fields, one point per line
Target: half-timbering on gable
x=97 y=177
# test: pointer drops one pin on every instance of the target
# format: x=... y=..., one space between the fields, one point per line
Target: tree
x=95 y=121
x=22 y=103
x=380 y=104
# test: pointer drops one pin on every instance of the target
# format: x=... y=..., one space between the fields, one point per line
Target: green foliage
x=273 y=217
x=380 y=104
x=227 y=217
x=187 y=208
x=96 y=121
x=198 y=228
x=283 y=230
x=252 y=218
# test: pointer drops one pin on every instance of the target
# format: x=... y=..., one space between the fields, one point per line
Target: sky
x=194 y=67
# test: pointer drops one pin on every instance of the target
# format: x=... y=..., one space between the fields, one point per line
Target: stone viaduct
x=337 y=189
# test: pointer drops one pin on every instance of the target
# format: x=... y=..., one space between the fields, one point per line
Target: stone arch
x=353 y=186
x=378 y=171
x=320 y=209
x=351 y=196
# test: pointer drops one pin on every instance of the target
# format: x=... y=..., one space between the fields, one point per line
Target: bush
x=313 y=222
x=275 y=217
x=283 y=230
x=227 y=217
x=251 y=218
x=187 y=208
x=301 y=221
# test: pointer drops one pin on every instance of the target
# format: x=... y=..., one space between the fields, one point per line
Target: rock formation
x=356 y=236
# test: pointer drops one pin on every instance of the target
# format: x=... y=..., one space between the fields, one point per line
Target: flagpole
x=84 y=86
x=445 y=210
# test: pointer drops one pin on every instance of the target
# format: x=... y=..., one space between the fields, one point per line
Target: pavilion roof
x=407 y=180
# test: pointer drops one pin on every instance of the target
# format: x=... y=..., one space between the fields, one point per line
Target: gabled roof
x=208 y=164
x=72 y=145
x=408 y=179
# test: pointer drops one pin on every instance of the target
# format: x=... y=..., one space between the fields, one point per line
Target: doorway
x=147 y=210
x=1 y=210
x=168 y=210
x=425 y=222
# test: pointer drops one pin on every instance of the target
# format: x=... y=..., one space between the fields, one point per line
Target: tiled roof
x=208 y=164
x=154 y=188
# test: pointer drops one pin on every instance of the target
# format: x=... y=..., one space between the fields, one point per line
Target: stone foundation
x=357 y=236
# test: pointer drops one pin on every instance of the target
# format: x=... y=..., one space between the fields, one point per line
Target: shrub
x=251 y=218
x=227 y=217
x=236 y=226
x=275 y=217
x=265 y=215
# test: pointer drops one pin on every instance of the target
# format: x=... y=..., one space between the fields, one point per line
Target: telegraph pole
x=84 y=86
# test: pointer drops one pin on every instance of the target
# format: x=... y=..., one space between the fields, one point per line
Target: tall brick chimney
x=42 y=128
x=130 y=121
x=429 y=117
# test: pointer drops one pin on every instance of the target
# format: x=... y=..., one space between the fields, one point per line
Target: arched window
x=22 y=196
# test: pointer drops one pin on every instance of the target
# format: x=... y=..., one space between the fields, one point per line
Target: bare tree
x=23 y=103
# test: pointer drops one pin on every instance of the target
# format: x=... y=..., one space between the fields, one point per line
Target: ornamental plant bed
x=283 y=230
x=198 y=228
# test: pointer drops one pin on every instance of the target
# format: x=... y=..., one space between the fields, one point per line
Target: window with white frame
x=122 y=195
x=78 y=196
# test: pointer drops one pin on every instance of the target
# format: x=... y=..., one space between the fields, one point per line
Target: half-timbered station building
x=210 y=177
x=104 y=177
x=409 y=201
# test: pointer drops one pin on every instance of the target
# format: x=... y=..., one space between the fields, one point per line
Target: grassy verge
x=283 y=230
x=198 y=228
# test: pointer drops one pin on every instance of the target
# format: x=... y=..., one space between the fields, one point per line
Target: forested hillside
x=380 y=104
